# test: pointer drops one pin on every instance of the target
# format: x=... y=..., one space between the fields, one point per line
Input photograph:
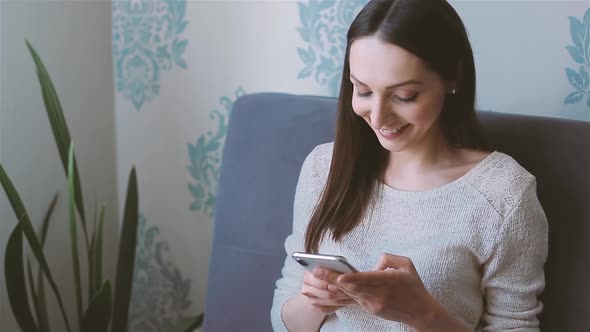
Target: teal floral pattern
x=205 y=158
x=580 y=52
x=145 y=43
x=324 y=27
x=160 y=292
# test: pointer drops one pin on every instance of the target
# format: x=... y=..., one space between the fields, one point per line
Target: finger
x=326 y=274
x=393 y=261
x=337 y=291
x=328 y=302
x=350 y=293
x=368 y=278
x=316 y=293
x=310 y=280
x=308 y=291
x=316 y=284
x=355 y=290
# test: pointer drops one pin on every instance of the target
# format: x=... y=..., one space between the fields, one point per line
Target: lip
x=398 y=134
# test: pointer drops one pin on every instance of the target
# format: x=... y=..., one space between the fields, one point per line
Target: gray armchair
x=269 y=136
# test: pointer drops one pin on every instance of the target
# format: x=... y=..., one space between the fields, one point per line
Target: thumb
x=393 y=262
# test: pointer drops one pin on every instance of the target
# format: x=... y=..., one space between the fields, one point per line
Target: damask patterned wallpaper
x=180 y=65
x=160 y=292
x=323 y=29
x=580 y=53
x=205 y=157
x=147 y=43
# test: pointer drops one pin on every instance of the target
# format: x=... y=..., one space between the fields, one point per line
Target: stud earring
x=453 y=91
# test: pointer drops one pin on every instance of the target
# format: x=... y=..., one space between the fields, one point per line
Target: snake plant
x=104 y=305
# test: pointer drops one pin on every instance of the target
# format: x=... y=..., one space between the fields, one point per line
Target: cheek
x=422 y=114
x=426 y=112
x=360 y=107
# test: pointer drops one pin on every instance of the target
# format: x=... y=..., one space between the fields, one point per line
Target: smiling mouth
x=396 y=133
x=392 y=131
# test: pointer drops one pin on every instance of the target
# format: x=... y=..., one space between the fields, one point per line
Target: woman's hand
x=393 y=291
x=320 y=295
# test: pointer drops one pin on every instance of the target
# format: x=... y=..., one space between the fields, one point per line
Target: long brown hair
x=431 y=30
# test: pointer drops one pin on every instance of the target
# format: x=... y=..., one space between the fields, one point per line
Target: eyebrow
x=396 y=85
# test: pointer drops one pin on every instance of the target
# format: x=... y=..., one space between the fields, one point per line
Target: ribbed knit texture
x=479 y=244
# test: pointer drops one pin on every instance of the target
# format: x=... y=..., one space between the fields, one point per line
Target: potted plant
x=107 y=304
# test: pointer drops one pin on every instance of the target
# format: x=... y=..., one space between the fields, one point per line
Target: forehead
x=377 y=63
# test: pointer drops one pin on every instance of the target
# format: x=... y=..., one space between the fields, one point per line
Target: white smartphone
x=332 y=262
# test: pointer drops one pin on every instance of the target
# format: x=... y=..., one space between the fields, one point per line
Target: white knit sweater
x=478 y=243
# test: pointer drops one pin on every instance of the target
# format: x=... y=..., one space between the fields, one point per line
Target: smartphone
x=312 y=261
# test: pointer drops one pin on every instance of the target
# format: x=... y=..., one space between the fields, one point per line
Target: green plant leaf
x=126 y=259
x=47 y=217
x=28 y=230
x=15 y=282
x=59 y=128
x=62 y=138
x=42 y=311
x=41 y=303
x=43 y=325
x=98 y=251
x=74 y=235
x=189 y=324
x=98 y=314
x=30 y=279
x=91 y=290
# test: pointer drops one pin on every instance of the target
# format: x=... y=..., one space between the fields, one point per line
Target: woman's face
x=396 y=93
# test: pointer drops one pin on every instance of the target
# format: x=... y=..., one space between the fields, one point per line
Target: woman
x=448 y=235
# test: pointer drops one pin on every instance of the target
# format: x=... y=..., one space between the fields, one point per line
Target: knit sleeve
x=307 y=192
x=513 y=277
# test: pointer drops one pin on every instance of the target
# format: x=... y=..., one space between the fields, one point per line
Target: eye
x=363 y=94
x=405 y=100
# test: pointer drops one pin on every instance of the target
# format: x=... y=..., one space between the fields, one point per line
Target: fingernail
x=332 y=288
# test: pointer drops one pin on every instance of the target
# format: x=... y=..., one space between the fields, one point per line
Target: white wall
x=74 y=40
x=234 y=47
x=521 y=56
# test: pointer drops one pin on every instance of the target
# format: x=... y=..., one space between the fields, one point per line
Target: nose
x=380 y=114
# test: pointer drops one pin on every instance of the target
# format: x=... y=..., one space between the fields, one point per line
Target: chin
x=391 y=146
x=396 y=144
